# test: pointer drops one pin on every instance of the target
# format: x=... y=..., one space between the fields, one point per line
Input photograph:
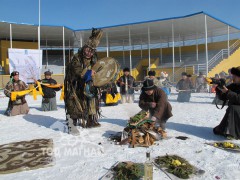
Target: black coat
x=185 y=87
x=49 y=92
x=130 y=81
x=230 y=124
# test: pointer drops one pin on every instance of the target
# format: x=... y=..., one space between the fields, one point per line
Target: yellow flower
x=215 y=144
x=176 y=162
x=228 y=145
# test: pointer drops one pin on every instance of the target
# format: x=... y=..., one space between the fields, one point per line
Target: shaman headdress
x=94 y=39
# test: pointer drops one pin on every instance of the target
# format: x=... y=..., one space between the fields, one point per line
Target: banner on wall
x=27 y=62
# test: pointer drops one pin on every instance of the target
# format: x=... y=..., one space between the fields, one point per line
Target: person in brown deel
x=230 y=124
x=19 y=106
x=154 y=100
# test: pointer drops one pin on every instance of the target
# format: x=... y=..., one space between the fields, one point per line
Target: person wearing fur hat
x=151 y=75
x=184 y=87
x=81 y=97
x=230 y=124
x=154 y=100
x=18 y=106
x=49 y=102
x=126 y=84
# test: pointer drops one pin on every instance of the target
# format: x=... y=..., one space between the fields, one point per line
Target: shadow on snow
x=198 y=131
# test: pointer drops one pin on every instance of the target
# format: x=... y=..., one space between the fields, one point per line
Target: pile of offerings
x=124 y=171
x=141 y=131
x=228 y=146
x=177 y=166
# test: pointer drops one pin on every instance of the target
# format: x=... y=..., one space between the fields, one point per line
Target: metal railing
x=222 y=55
x=199 y=68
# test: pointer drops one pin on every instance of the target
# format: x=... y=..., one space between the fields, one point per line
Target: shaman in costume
x=81 y=97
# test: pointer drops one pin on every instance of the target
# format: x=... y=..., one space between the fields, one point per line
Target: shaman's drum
x=107 y=70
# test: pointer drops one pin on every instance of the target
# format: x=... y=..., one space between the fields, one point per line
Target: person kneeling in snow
x=49 y=102
x=230 y=124
x=184 y=87
x=154 y=100
x=110 y=95
x=18 y=106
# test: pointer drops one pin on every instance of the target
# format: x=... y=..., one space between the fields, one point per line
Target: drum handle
x=99 y=69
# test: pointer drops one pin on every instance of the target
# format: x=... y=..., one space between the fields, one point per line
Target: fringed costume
x=82 y=99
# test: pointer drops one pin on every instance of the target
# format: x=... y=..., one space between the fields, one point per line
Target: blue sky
x=79 y=14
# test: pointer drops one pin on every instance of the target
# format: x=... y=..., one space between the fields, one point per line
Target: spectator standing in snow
x=126 y=84
x=200 y=84
x=184 y=87
x=151 y=75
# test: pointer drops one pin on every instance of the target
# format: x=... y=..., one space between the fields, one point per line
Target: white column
x=206 y=44
x=63 y=52
x=149 y=51
x=130 y=51
x=160 y=52
x=46 y=54
x=228 y=43
x=107 y=44
x=11 y=36
x=161 y=55
x=173 y=55
x=81 y=40
x=39 y=36
x=124 y=63
x=69 y=50
x=197 y=47
x=180 y=51
x=39 y=22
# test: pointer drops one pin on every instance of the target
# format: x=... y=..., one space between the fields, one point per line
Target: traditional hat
x=14 y=73
x=151 y=73
x=148 y=84
x=47 y=73
x=236 y=71
x=126 y=69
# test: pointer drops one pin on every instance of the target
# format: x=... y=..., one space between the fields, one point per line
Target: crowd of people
x=153 y=95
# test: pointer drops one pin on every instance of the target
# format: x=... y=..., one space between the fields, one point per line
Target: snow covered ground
x=90 y=155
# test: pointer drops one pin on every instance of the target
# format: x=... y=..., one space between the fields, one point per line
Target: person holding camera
x=230 y=124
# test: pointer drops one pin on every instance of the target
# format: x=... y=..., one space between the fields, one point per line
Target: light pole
x=39 y=37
